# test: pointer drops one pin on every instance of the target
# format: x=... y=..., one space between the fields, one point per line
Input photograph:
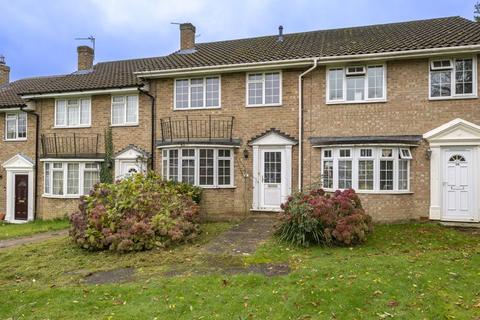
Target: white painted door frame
x=19 y=165
x=471 y=158
x=457 y=133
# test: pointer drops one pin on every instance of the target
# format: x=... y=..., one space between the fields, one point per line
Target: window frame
x=216 y=158
x=355 y=157
x=344 y=83
x=66 y=125
x=48 y=190
x=125 y=123
x=263 y=104
x=453 y=94
x=16 y=115
x=175 y=108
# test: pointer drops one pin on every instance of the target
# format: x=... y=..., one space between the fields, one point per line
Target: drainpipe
x=35 y=173
x=300 y=123
x=152 y=98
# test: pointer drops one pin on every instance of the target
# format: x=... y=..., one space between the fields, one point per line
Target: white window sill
x=453 y=98
x=125 y=125
x=52 y=196
x=386 y=192
x=263 y=105
x=15 y=140
x=356 y=102
x=199 y=108
x=72 y=127
x=218 y=187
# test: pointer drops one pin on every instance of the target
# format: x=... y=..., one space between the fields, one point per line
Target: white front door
x=128 y=168
x=458 y=185
x=271 y=178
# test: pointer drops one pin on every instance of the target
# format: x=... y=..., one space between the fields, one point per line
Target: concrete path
x=244 y=238
x=32 y=239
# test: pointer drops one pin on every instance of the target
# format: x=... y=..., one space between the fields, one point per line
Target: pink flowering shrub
x=315 y=217
x=137 y=213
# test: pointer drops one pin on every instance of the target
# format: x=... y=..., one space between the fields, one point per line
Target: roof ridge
x=339 y=29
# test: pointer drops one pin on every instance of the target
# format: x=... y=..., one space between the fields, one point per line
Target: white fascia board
x=199 y=145
x=9 y=109
x=70 y=160
x=79 y=93
x=350 y=145
x=306 y=62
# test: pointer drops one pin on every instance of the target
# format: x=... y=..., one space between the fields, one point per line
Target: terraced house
x=389 y=110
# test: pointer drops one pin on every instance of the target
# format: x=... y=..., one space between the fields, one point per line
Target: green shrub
x=187 y=189
x=137 y=213
x=315 y=217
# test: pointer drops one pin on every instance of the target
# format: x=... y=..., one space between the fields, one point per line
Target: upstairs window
x=124 y=110
x=356 y=84
x=72 y=113
x=264 y=89
x=197 y=93
x=16 y=126
x=452 y=78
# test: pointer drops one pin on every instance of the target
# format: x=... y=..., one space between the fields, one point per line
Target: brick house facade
x=254 y=120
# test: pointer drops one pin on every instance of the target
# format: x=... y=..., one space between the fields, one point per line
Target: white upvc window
x=264 y=89
x=197 y=93
x=72 y=113
x=353 y=84
x=124 y=110
x=380 y=169
x=453 y=78
x=16 y=126
x=201 y=166
x=70 y=179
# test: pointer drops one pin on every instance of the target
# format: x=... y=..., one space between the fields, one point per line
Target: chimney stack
x=85 y=58
x=187 y=36
x=4 y=71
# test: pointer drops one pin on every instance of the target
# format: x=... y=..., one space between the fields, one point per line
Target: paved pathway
x=244 y=238
x=32 y=239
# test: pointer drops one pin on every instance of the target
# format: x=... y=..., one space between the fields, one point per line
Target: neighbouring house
x=389 y=110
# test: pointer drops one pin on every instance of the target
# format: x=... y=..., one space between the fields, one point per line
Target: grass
x=11 y=230
x=406 y=271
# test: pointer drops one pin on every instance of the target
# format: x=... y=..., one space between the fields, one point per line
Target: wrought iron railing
x=71 y=145
x=196 y=128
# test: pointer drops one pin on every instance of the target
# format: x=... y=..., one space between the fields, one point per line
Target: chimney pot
x=85 y=58
x=4 y=71
x=187 y=36
x=280 y=33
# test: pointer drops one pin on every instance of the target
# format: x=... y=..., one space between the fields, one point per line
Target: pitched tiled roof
x=404 y=36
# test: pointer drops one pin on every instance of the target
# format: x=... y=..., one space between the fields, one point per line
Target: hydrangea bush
x=315 y=217
x=137 y=213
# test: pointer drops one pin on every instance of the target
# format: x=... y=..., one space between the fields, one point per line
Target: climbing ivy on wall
x=106 y=175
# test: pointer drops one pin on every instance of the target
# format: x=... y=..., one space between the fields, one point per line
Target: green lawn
x=406 y=271
x=11 y=230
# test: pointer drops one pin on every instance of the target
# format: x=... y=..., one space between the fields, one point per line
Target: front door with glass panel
x=271 y=179
x=458 y=185
x=129 y=168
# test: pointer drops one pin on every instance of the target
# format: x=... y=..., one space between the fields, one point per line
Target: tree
x=476 y=12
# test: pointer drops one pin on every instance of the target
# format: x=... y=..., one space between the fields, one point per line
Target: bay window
x=206 y=167
x=124 y=110
x=453 y=78
x=72 y=113
x=197 y=93
x=16 y=126
x=356 y=84
x=70 y=179
x=264 y=89
x=366 y=169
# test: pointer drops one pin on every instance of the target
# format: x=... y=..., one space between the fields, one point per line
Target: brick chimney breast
x=85 y=58
x=187 y=36
x=4 y=71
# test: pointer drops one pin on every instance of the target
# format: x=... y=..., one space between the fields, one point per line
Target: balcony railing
x=72 y=145
x=196 y=128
